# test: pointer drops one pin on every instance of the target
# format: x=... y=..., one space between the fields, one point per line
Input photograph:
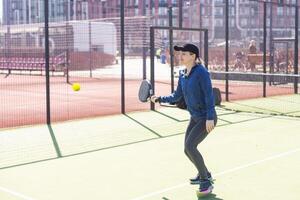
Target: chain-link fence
x=85 y=46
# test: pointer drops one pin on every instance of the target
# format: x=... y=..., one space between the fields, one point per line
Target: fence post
x=171 y=47
x=226 y=50
x=46 y=29
x=122 y=59
x=152 y=105
x=296 y=48
x=265 y=49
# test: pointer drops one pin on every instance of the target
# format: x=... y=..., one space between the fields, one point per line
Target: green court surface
x=140 y=156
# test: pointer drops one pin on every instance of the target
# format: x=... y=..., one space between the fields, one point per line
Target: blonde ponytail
x=199 y=61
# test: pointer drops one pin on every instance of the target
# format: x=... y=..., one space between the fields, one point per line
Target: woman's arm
x=172 y=98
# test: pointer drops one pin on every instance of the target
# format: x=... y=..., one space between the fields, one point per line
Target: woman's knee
x=189 y=149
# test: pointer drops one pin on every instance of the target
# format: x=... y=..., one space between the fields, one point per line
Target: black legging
x=195 y=134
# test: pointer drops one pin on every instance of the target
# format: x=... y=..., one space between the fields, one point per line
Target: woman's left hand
x=210 y=125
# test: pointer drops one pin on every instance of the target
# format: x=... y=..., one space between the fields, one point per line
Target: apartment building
x=32 y=11
x=245 y=17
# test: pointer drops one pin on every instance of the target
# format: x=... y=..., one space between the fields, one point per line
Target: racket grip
x=158 y=99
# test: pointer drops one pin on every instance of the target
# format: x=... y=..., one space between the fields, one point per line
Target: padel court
x=252 y=153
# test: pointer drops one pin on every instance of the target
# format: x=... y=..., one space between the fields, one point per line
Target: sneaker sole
x=204 y=193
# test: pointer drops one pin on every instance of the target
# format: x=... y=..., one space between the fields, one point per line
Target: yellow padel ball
x=76 y=86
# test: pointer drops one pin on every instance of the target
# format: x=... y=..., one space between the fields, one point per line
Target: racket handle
x=158 y=99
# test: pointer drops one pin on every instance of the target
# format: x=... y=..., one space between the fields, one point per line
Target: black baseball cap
x=188 y=47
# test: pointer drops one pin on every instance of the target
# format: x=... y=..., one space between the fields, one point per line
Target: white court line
x=221 y=173
x=16 y=194
x=24 y=197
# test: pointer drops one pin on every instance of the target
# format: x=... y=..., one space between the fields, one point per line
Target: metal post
x=90 y=49
x=180 y=13
x=171 y=47
x=46 y=27
x=271 y=45
x=8 y=37
x=206 y=48
x=200 y=34
x=287 y=57
x=265 y=49
x=152 y=105
x=226 y=49
x=122 y=59
x=46 y=7
x=144 y=45
x=67 y=39
x=296 y=48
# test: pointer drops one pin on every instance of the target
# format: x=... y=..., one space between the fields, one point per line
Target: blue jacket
x=196 y=88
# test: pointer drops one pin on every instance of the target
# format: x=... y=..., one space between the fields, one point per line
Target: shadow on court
x=211 y=197
x=208 y=197
x=147 y=124
x=270 y=156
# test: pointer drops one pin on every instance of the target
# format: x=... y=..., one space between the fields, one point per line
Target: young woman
x=194 y=85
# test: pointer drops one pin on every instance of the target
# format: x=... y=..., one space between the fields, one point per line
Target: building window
x=253 y=11
x=293 y=2
x=203 y=10
x=162 y=11
x=280 y=11
x=244 y=22
x=162 y=22
x=219 y=22
x=162 y=2
x=291 y=11
x=17 y=16
x=231 y=11
x=244 y=11
x=232 y=23
x=52 y=10
x=205 y=22
x=292 y=22
x=218 y=11
x=252 y=22
x=85 y=11
x=281 y=22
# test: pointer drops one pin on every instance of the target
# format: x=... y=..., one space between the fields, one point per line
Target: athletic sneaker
x=206 y=187
x=196 y=180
